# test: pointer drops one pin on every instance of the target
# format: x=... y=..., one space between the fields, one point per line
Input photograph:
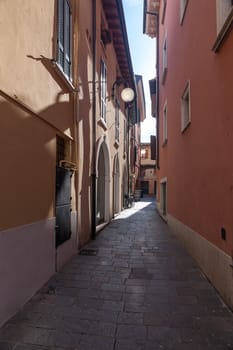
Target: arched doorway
x=124 y=186
x=116 y=185
x=103 y=182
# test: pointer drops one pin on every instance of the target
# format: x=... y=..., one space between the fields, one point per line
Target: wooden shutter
x=60 y=33
x=153 y=147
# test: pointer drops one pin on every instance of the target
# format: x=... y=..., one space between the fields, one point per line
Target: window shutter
x=67 y=38
x=60 y=33
x=153 y=147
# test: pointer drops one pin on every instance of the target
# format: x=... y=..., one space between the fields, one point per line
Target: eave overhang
x=114 y=14
x=151 y=17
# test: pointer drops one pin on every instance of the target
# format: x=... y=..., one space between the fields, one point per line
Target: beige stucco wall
x=27 y=76
x=104 y=132
x=35 y=106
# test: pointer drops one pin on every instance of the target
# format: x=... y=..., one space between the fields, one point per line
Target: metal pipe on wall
x=93 y=165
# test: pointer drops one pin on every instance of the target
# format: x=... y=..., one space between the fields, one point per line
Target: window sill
x=223 y=32
x=102 y=123
x=68 y=83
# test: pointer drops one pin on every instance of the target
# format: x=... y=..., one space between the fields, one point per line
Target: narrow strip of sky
x=142 y=49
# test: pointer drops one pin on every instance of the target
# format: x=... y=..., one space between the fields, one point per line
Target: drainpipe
x=93 y=167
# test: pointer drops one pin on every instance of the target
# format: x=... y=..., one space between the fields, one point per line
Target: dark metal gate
x=63 y=205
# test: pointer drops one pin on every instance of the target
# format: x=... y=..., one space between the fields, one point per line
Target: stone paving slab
x=139 y=291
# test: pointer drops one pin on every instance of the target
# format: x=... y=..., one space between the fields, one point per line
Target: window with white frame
x=64 y=37
x=103 y=90
x=186 y=108
x=164 y=57
x=183 y=6
x=165 y=138
x=224 y=12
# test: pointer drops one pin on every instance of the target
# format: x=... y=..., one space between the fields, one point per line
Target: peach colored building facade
x=195 y=80
x=61 y=131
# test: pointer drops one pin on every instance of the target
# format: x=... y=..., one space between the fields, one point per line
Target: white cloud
x=148 y=127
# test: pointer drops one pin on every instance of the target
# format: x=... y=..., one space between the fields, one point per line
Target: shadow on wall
x=28 y=164
x=85 y=150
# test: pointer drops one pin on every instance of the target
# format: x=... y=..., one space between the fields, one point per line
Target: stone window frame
x=165 y=124
x=183 y=7
x=186 y=107
x=224 y=20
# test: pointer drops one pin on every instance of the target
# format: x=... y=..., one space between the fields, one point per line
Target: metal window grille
x=60 y=149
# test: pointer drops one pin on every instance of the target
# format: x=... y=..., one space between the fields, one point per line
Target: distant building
x=194 y=136
x=148 y=184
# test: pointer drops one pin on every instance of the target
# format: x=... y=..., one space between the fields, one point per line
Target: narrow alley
x=132 y=288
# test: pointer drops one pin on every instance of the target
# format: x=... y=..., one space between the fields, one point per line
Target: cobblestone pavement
x=141 y=291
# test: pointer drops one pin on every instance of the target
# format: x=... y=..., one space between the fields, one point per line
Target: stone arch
x=124 y=185
x=102 y=182
x=116 y=185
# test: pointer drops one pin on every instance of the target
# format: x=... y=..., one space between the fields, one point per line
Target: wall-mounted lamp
x=127 y=94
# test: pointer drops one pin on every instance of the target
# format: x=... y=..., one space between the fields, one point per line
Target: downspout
x=93 y=167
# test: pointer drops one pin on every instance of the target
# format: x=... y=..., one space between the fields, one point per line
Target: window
x=164 y=10
x=164 y=58
x=117 y=108
x=103 y=90
x=224 y=12
x=60 y=155
x=183 y=6
x=185 y=108
x=165 y=124
x=145 y=153
x=64 y=43
x=125 y=138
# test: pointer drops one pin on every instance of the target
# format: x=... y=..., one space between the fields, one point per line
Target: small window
x=103 y=90
x=224 y=12
x=117 y=124
x=185 y=108
x=164 y=58
x=64 y=37
x=164 y=10
x=165 y=138
x=60 y=154
x=183 y=6
x=125 y=139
